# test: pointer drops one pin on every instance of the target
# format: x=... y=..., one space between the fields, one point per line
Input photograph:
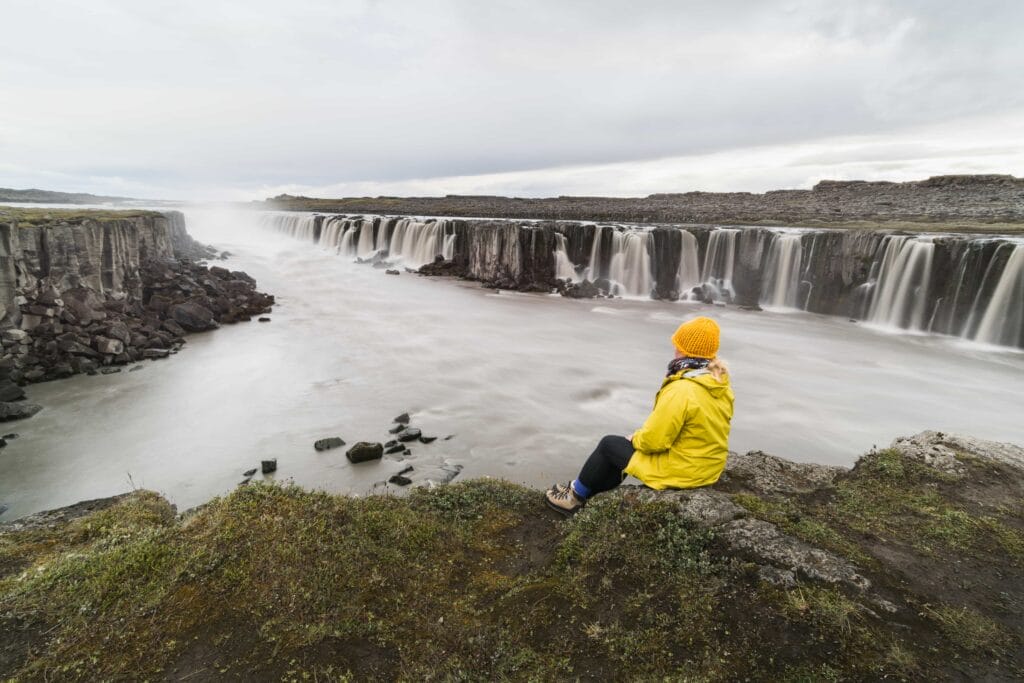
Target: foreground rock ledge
x=907 y=566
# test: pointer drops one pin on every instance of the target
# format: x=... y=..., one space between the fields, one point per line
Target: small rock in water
x=428 y=439
x=8 y=437
x=397 y=428
x=18 y=411
x=263 y=319
x=409 y=434
x=245 y=481
x=329 y=443
x=392 y=271
x=407 y=470
x=394 y=448
x=407 y=452
x=365 y=451
x=134 y=368
x=391 y=443
x=402 y=419
x=109 y=371
x=268 y=466
x=399 y=480
x=4 y=508
x=449 y=437
x=249 y=473
x=3 y=443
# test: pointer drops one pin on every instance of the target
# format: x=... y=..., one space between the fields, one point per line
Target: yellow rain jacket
x=685 y=440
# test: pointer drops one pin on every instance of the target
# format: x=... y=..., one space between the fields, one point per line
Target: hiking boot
x=561 y=498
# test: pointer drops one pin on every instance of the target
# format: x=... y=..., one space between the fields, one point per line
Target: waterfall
x=720 y=262
x=688 y=275
x=564 y=268
x=630 y=267
x=782 y=273
x=448 y=250
x=1003 y=320
x=298 y=225
x=416 y=243
x=900 y=297
x=593 y=270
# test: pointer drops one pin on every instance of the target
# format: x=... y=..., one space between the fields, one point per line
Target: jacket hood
x=703 y=378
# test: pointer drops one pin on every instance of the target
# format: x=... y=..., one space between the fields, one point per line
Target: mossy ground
x=479 y=581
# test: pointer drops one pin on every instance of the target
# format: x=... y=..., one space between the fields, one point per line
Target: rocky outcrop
x=87 y=290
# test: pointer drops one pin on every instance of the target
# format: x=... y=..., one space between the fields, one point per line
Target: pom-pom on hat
x=697 y=338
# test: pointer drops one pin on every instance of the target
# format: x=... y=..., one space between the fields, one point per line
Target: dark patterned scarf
x=684 y=363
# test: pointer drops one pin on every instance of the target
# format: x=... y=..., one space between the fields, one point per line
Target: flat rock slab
x=409 y=434
x=941 y=451
x=768 y=543
x=328 y=443
x=763 y=473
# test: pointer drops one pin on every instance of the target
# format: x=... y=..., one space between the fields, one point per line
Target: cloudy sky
x=211 y=99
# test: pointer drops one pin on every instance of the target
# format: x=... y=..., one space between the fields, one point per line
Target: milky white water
x=527 y=383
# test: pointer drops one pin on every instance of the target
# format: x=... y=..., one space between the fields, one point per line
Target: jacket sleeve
x=663 y=425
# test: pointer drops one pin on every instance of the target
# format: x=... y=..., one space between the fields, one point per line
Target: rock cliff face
x=962 y=285
x=88 y=291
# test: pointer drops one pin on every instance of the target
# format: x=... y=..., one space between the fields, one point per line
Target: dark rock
x=400 y=480
x=396 y=429
x=3 y=443
x=136 y=368
x=392 y=271
x=4 y=508
x=328 y=443
x=428 y=439
x=249 y=473
x=409 y=434
x=18 y=411
x=449 y=437
x=109 y=371
x=268 y=466
x=154 y=354
x=174 y=328
x=192 y=316
x=10 y=436
x=9 y=391
x=365 y=451
x=406 y=470
x=402 y=419
x=394 y=448
x=263 y=319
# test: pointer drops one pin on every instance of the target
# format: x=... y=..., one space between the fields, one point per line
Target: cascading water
x=630 y=267
x=564 y=268
x=720 y=263
x=900 y=298
x=1003 y=320
x=416 y=243
x=782 y=273
x=593 y=270
x=688 y=275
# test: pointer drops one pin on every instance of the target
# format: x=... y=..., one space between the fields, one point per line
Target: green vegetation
x=479 y=581
x=30 y=217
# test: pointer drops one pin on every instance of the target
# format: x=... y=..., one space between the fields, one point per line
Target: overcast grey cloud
x=237 y=99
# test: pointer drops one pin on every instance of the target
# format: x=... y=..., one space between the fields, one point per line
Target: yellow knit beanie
x=697 y=338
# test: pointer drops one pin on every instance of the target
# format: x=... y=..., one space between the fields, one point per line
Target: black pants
x=603 y=470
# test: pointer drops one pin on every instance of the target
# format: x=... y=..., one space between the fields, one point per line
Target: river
x=526 y=383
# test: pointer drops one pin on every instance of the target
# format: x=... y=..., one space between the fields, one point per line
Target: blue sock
x=580 y=489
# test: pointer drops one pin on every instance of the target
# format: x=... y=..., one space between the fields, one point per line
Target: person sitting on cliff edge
x=683 y=443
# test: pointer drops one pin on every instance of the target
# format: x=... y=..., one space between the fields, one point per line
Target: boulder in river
x=428 y=439
x=394 y=448
x=400 y=480
x=268 y=466
x=328 y=443
x=249 y=473
x=402 y=419
x=365 y=451
x=409 y=434
x=18 y=411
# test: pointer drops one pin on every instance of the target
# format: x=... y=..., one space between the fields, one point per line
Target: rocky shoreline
x=907 y=566
x=89 y=292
